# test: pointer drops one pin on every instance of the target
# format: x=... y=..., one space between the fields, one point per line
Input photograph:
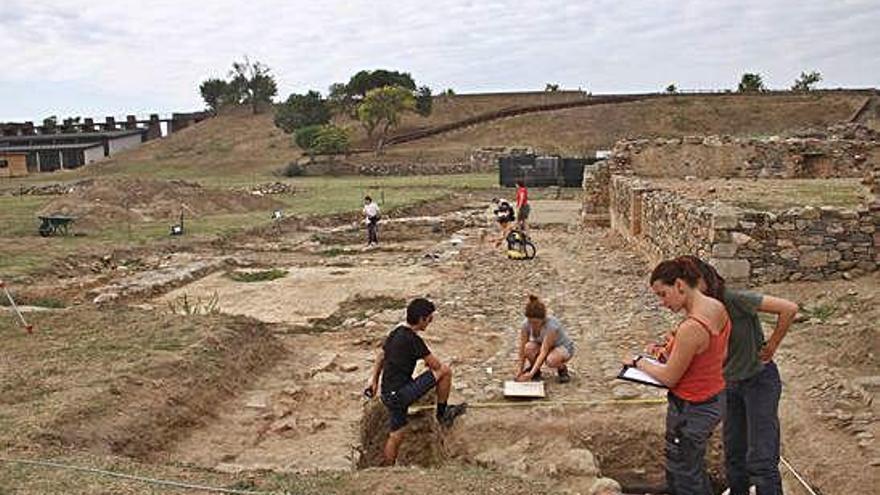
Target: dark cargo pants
x=372 y=230
x=688 y=428
x=751 y=433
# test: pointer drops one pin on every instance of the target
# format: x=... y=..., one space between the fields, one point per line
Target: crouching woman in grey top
x=543 y=340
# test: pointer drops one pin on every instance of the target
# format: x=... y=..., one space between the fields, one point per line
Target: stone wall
x=659 y=223
x=726 y=156
x=800 y=243
x=343 y=167
x=747 y=246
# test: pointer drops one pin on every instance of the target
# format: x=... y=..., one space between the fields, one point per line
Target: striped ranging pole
x=24 y=324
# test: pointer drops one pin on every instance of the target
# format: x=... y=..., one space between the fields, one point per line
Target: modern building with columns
x=62 y=151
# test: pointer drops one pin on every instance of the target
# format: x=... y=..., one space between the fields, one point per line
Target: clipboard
x=635 y=375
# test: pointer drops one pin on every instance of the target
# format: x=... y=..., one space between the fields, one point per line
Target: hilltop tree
x=345 y=97
x=253 y=82
x=751 y=83
x=806 y=81
x=671 y=88
x=382 y=109
x=550 y=87
x=216 y=93
x=424 y=101
x=302 y=110
x=364 y=81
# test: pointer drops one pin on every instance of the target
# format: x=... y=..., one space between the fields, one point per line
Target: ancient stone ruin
x=674 y=196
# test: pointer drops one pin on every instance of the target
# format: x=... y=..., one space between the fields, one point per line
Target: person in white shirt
x=371 y=211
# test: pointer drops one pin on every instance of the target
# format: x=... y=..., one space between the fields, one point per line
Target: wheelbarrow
x=54 y=225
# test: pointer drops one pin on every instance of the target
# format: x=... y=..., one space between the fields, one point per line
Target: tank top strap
x=705 y=324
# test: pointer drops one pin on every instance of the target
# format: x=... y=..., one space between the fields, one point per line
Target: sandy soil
x=302 y=413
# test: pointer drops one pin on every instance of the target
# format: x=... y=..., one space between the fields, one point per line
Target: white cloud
x=161 y=50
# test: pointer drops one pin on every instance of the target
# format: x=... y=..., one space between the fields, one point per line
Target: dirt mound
x=424 y=445
x=138 y=415
x=141 y=200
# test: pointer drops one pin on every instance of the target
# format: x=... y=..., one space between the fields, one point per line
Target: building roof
x=51 y=147
x=73 y=135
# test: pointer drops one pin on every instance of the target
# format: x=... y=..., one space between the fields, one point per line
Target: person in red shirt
x=692 y=372
x=522 y=204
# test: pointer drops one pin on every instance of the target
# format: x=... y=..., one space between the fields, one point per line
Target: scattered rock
x=606 y=486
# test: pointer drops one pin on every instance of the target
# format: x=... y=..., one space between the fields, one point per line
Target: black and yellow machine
x=520 y=246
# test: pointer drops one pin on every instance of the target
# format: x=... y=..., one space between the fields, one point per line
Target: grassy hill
x=583 y=130
x=242 y=146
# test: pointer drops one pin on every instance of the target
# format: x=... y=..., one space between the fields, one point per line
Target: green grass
x=22 y=251
x=258 y=276
x=332 y=252
x=842 y=193
x=822 y=312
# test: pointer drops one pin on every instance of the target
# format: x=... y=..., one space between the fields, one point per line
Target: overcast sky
x=100 y=57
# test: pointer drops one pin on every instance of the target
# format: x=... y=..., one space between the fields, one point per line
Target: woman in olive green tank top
x=753 y=386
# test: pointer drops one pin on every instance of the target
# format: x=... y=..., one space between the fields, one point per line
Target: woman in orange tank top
x=693 y=373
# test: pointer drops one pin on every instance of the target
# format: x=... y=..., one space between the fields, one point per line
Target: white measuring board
x=534 y=390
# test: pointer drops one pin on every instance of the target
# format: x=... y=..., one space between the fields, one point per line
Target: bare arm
x=521 y=359
x=546 y=346
x=688 y=340
x=377 y=371
x=785 y=311
x=433 y=363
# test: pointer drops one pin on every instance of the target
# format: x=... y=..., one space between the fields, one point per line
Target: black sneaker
x=564 y=377
x=452 y=411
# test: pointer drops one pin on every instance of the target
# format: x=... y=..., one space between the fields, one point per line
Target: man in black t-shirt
x=396 y=362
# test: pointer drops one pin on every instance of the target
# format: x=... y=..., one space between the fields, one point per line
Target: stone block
x=868 y=266
x=724 y=250
x=835 y=228
x=725 y=218
x=786 y=243
x=830 y=211
x=739 y=238
x=732 y=268
x=783 y=226
x=809 y=213
x=813 y=259
x=789 y=254
x=834 y=256
x=719 y=236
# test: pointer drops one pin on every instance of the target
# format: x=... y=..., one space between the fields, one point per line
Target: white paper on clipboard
x=636 y=375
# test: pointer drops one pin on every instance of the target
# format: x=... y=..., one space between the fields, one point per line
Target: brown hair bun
x=535 y=308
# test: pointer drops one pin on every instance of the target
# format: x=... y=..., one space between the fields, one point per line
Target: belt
x=679 y=402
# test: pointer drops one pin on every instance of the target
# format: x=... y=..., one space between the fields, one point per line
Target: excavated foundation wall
x=726 y=156
x=851 y=152
x=748 y=247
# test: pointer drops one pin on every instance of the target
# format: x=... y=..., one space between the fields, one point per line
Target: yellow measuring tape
x=552 y=403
